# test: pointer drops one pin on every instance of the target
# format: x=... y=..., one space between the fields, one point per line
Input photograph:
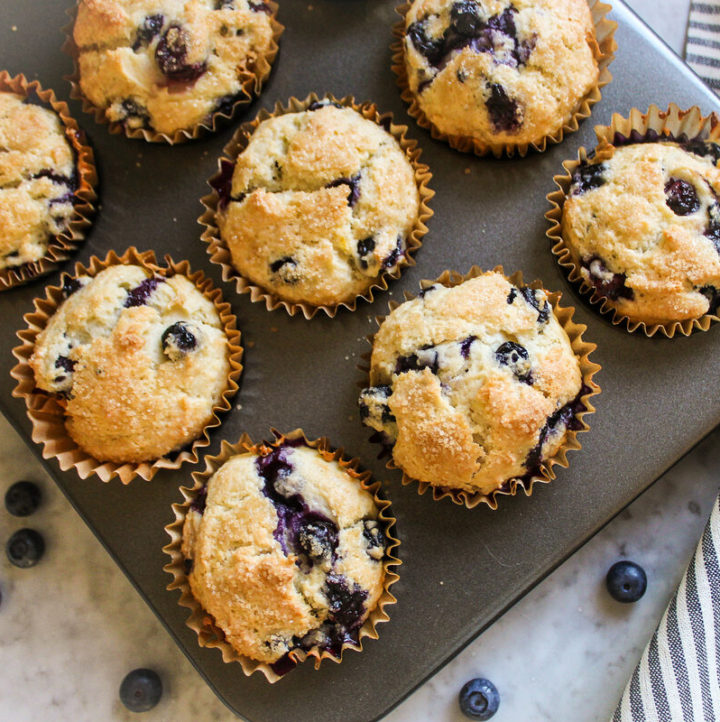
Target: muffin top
x=321 y=203
x=168 y=65
x=472 y=385
x=286 y=552
x=37 y=179
x=642 y=223
x=500 y=71
x=140 y=358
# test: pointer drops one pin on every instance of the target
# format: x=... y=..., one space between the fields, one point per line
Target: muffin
x=285 y=549
x=168 y=66
x=496 y=74
x=138 y=360
x=319 y=204
x=38 y=178
x=475 y=386
x=641 y=222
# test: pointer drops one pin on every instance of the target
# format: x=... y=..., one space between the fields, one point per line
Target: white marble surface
x=73 y=626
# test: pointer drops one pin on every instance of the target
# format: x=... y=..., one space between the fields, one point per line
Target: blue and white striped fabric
x=678 y=678
x=702 y=50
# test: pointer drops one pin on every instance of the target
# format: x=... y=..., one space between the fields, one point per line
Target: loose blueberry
x=626 y=581
x=141 y=690
x=139 y=295
x=171 y=56
x=152 y=25
x=516 y=357
x=505 y=113
x=479 y=699
x=681 y=197
x=22 y=498
x=25 y=548
x=586 y=177
x=604 y=281
x=177 y=340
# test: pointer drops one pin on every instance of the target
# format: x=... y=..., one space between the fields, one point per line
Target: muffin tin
x=461 y=568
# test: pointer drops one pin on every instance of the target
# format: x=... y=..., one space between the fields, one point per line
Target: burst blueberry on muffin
x=318 y=205
x=168 y=65
x=642 y=224
x=500 y=71
x=285 y=551
x=473 y=385
x=37 y=180
x=139 y=359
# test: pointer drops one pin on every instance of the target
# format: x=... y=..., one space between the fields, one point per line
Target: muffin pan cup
x=61 y=246
x=220 y=254
x=582 y=350
x=672 y=122
x=202 y=623
x=252 y=79
x=604 y=49
x=46 y=411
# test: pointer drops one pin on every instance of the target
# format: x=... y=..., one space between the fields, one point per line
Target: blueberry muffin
x=320 y=204
x=285 y=550
x=474 y=385
x=37 y=180
x=500 y=72
x=169 y=65
x=139 y=359
x=642 y=224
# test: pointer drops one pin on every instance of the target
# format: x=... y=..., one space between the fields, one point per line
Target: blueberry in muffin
x=139 y=361
x=642 y=224
x=167 y=66
x=285 y=552
x=318 y=205
x=473 y=385
x=500 y=71
x=38 y=178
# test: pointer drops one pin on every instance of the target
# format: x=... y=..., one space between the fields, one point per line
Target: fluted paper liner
x=61 y=246
x=202 y=623
x=672 y=122
x=581 y=349
x=604 y=49
x=46 y=411
x=252 y=81
x=220 y=254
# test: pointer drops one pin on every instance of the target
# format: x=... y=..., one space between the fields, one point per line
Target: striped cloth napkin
x=678 y=677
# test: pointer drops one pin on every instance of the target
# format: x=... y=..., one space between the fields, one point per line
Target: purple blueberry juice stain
x=605 y=282
x=139 y=295
x=200 y=501
x=171 y=56
x=353 y=185
x=681 y=197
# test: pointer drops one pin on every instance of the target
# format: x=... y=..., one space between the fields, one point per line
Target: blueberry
x=396 y=254
x=365 y=247
x=505 y=113
x=465 y=346
x=222 y=183
x=171 y=56
x=713 y=296
x=516 y=357
x=178 y=341
x=531 y=297
x=479 y=699
x=22 y=498
x=139 y=295
x=63 y=362
x=626 y=581
x=346 y=605
x=604 y=281
x=586 y=177
x=428 y=47
x=200 y=501
x=259 y=7
x=681 y=197
x=703 y=148
x=286 y=269
x=25 y=548
x=465 y=18
x=353 y=185
x=317 y=538
x=141 y=690
x=421 y=359
x=375 y=539
x=152 y=25
x=318 y=104
x=133 y=114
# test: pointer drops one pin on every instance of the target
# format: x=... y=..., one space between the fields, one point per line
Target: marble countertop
x=73 y=626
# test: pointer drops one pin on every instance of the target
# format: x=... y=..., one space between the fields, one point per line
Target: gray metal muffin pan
x=461 y=568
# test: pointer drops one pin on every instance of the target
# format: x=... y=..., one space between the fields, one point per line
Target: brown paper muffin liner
x=581 y=349
x=672 y=122
x=61 y=246
x=252 y=81
x=202 y=623
x=604 y=49
x=47 y=412
x=220 y=254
